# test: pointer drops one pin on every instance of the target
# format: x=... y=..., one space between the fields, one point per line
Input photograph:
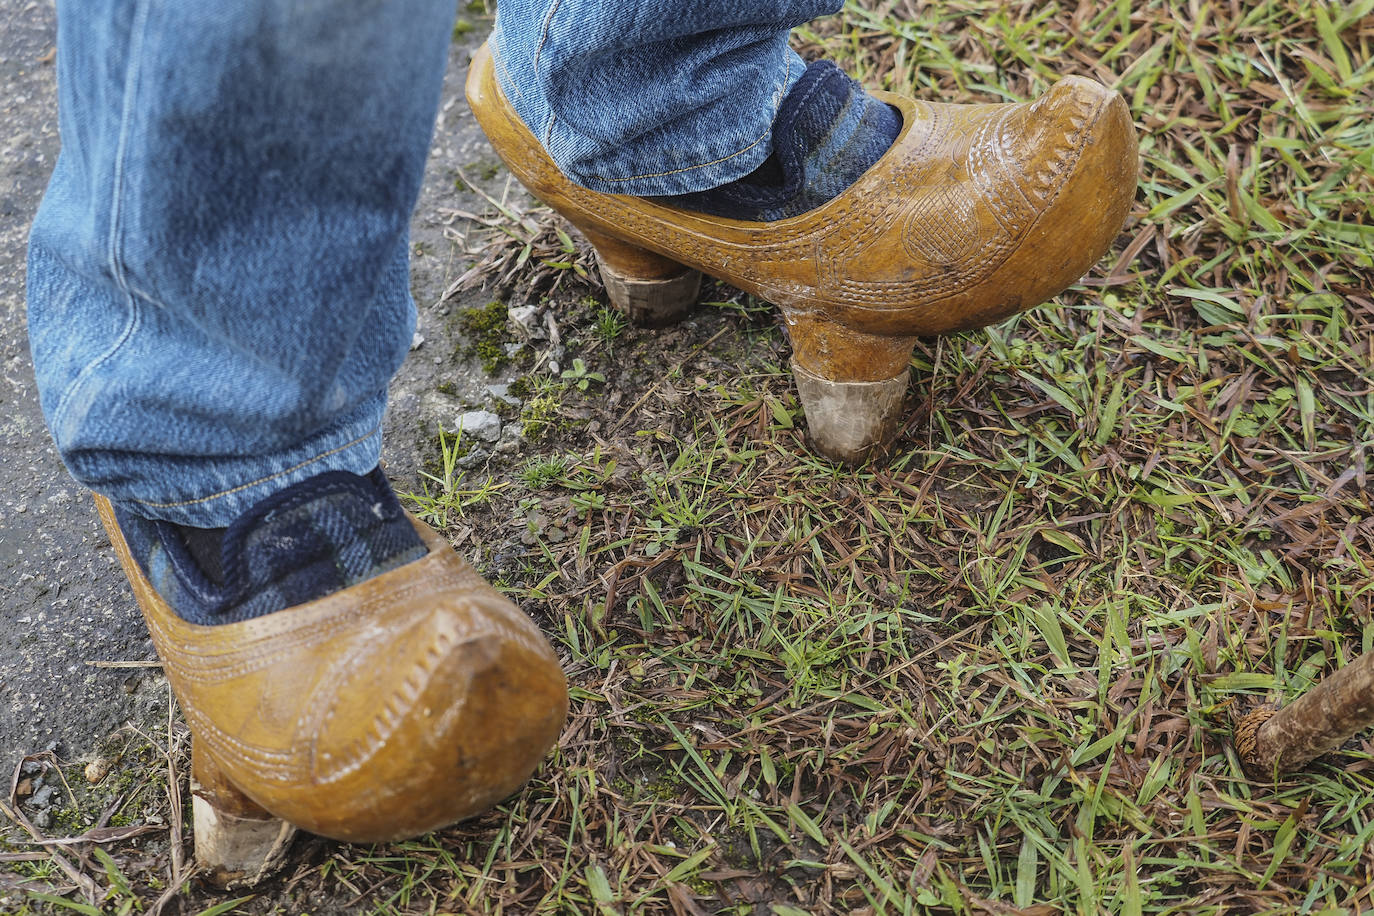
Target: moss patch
x=484 y=333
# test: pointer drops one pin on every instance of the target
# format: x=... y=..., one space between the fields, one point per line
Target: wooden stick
x=1271 y=740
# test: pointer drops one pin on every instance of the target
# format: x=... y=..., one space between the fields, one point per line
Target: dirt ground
x=78 y=675
x=996 y=671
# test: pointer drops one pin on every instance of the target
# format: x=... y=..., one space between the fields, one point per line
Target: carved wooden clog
x=975 y=213
x=386 y=710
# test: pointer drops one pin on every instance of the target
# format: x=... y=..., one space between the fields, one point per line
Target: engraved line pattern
x=1012 y=195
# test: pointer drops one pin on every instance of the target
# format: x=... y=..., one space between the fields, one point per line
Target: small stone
x=43 y=819
x=97 y=770
x=480 y=424
x=417 y=340
x=43 y=797
x=551 y=325
x=524 y=318
x=511 y=439
x=501 y=391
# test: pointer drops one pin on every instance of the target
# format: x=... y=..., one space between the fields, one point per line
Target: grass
x=996 y=672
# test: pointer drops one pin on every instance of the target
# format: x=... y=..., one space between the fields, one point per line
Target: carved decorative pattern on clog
x=942 y=229
x=976 y=212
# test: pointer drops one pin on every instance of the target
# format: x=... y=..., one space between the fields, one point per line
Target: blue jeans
x=218 y=287
x=650 y=98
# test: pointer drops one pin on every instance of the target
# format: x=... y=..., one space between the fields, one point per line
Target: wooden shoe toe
x=386 y=710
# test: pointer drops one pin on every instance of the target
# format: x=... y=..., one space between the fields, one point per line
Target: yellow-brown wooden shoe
x=386 y=710
x=975 y=213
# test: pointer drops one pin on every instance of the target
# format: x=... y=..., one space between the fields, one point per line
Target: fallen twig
x=103 y=835
x=150 y=663
x=1273 y=740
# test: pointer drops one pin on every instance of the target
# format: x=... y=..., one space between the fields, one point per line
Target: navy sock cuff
x=319 y=536
x=827 y=133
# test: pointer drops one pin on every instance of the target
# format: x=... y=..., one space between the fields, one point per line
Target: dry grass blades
x=997 y=672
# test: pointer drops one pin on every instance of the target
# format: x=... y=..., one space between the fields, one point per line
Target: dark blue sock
x=827 y=133
x=319 y=536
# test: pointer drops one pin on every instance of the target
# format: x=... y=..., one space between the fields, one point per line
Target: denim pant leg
x=650 y=98
x=218 y=284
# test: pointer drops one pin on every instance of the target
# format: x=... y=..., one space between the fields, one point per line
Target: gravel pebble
x=524 y=318
x=501 y=391
x=480 y=424
x=97 y=770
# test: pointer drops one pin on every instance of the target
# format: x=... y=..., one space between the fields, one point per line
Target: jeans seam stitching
x=534 y=65
x=261 y=480
x=132 y=78
x=500 y=62
x=701 y=165
x=544 y=36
